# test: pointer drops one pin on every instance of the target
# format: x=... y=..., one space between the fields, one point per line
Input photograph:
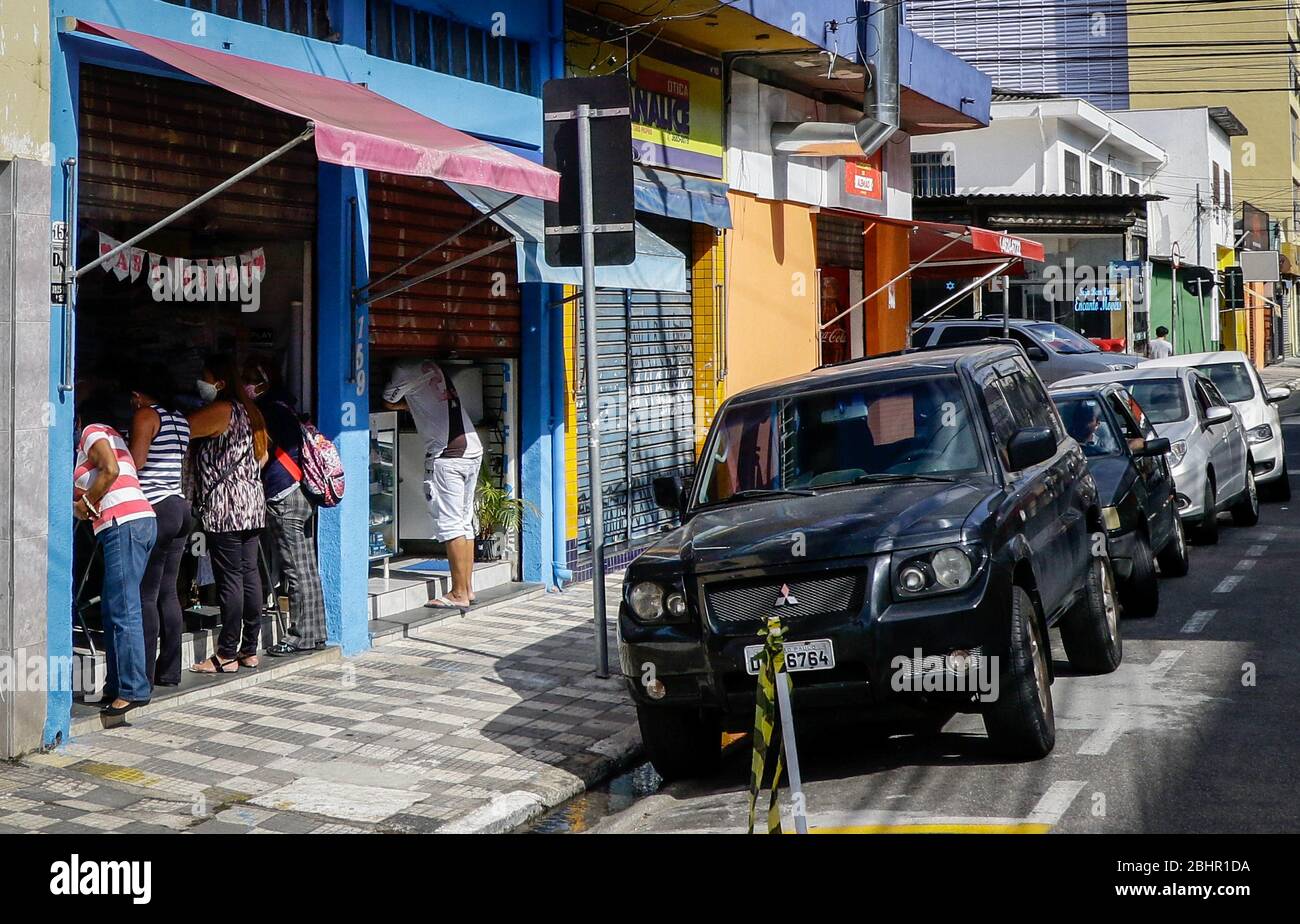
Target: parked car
x=1127 y=460
x=924 y=503
x=1235 y=376
x=1211 y=460
x=1056 y=351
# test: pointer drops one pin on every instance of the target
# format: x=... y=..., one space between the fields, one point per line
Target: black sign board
x=613 y=211
x=1254 y=227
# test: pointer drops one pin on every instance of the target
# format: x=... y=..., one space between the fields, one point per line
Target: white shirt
x=430 y=396
x=1159 y=349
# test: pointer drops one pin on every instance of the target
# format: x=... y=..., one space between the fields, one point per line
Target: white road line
x=1227 y=585
x=1056 y=801
x=1266 y=537
x=1198 y=621
x=1246 y=564
x=1257 y=550
x=1157 y=669
x=1099 y=742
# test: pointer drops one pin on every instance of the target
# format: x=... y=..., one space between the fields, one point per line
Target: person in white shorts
x=452 y=456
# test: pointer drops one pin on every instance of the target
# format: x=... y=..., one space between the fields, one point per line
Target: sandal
x=249 y=661
x=443 y=603
x=214 y=665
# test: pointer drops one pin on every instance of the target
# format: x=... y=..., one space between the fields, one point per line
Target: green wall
x=1192 y=334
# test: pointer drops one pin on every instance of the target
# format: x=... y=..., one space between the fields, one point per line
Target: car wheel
x=1245 y=512
x=1173 y=557
x=1206 y=531
x=1141 y=592
x=681 y=742
x=1021 y=723
x=1090 y=631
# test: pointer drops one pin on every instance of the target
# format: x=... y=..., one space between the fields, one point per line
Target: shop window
x=1116 y=183
x=1073 y=182
x=1134 y=188
x=934 y=173
x=1095 y=187
x=301 y=17
x=402 y=33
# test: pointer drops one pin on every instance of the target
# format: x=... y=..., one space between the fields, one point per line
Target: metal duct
x=881 y=112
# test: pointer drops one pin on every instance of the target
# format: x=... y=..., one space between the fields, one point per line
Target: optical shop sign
x=236 y=279
x=677 y=113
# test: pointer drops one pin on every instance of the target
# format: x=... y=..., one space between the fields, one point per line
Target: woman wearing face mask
x=159 y=440
x=232 y=507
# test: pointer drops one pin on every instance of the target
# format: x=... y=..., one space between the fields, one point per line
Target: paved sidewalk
x=1286 y=372
x=470 y=724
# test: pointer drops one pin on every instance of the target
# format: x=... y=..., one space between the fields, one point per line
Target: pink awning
x=355 y=127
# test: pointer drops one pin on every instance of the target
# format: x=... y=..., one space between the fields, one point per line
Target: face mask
x=207 y=391
x=251 y=391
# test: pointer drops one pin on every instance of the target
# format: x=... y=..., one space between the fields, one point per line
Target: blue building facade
x=496 y=97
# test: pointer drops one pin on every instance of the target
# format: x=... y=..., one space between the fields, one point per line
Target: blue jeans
x=126 y=553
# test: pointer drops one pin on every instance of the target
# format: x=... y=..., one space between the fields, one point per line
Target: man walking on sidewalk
x=452 y=455
x=1160 y=347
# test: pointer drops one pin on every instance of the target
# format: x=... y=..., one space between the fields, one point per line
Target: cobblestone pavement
x=469 y=724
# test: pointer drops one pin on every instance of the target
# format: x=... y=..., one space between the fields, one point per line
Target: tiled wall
x=24 y=438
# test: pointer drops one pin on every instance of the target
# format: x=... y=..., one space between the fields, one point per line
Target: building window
x=411 y=36
x=1227 y=190
x=1214 y=186
x=1094 y=179
x=1116 y=184
x=1295 y=137
x=934 y=173
x=1134 y=188
x=1073 y=184
x=301 y=17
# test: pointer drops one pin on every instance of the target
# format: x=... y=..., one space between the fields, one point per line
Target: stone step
x=407 y=590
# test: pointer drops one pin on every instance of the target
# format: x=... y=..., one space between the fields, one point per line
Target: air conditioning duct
x=880 y=101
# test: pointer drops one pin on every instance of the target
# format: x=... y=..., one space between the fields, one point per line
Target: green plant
x=495 y=509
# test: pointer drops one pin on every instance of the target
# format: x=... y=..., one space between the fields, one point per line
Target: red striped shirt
x=124 y=501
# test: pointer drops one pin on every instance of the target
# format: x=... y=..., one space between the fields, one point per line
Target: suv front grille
x=749 y=603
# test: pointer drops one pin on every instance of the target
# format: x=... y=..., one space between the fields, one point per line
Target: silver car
x=1209 y=454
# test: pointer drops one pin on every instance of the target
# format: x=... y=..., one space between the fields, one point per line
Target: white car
x=1209 y=456
x=1237 y=380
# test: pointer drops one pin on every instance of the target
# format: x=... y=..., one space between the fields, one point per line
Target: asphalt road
x=1196 y=732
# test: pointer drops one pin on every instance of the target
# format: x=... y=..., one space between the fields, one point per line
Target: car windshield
x=915 y=429
x=1232 y=379
x=1163 y=400
x=1063 y=340
x=1087 y=423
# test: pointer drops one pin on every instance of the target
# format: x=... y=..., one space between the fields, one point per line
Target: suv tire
x=1141 y=592
x=1206 y=531
x=1245 y=512
x=1173 y=557
x=1021 y=723
x=1090 y=631
x=681 y=741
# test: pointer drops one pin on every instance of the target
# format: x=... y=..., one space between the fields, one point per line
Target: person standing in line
x=1160 y=347
x=452 y=456
x=290 y=512
x=160 y=437
x=106 y=491
x=232 y=509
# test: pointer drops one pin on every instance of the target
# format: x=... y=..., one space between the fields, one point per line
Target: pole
x=1006 y=307
x=1173 y=298
x=597 y=526
x=791 y=752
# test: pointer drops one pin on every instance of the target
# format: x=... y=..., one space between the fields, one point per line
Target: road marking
x=1198 y=621
x=1246 y=564
x=1257 y=550
x=1157 y=669
x=1099 y=742
x=1045 y=814
x=1056 y=801
x=1266 y=537
x=1227 y=585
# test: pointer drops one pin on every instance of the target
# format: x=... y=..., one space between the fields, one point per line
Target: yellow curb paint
x=1025 y=828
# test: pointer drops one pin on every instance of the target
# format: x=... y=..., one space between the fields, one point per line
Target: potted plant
x=498 y=515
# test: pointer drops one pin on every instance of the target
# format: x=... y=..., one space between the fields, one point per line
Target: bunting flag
x=132 y=262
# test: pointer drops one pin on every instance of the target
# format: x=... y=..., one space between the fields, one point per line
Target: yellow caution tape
x=771 y=671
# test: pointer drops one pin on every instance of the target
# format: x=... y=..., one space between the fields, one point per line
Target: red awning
x=942 y=249
x=354 y=126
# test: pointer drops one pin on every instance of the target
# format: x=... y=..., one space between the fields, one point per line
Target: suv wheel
x=1245 y=512
x=681 y=742
x=1173 y=557
x=1141 y=592
x=1206 y=531
x=1021 y=722
x=1090 y=631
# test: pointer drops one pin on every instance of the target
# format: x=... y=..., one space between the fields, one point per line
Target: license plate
x=815 y=655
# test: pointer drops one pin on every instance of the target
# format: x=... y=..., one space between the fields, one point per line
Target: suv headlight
x=935 y=571
x=653 y=602
x=1261 y=434
x=1177 y=450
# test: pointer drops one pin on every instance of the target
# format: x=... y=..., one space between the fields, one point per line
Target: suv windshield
x=889 y=430
x=1087 y=423
x=1163 y=399
x=1063 y=340
x=1232 y=379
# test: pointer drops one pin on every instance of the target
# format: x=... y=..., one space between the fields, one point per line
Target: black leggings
x=160 y=606
x=239 y=591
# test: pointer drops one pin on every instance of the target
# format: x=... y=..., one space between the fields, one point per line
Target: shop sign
x=1098 y=298
x=677 y=113
x=863 y=179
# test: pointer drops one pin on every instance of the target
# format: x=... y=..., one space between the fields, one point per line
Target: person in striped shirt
x=106 y=491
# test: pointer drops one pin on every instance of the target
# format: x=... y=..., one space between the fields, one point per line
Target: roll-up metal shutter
x=839 y=241
x=647 y=358
x=149 y=145
x=472 y=310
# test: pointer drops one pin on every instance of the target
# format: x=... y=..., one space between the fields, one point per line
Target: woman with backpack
x=232 y=448
x=290 y=512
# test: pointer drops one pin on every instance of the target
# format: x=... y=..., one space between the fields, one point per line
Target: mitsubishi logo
x=786 y=598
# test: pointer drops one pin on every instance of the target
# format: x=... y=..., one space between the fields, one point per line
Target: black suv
x=919 y=521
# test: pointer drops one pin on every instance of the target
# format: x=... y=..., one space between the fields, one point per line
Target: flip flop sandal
x=244 y=659
x=218 y=666
x=442 y=603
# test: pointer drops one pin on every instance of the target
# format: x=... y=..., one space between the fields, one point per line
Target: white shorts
x=449 y=490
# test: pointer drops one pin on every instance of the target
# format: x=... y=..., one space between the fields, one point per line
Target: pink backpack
x=322 y=469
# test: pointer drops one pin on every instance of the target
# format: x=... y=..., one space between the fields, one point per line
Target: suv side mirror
x=1153 y=447
x=669 y=494
x=1277 y=395
x=1036 y=353
x=1030 y=446
x=1218 y=414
